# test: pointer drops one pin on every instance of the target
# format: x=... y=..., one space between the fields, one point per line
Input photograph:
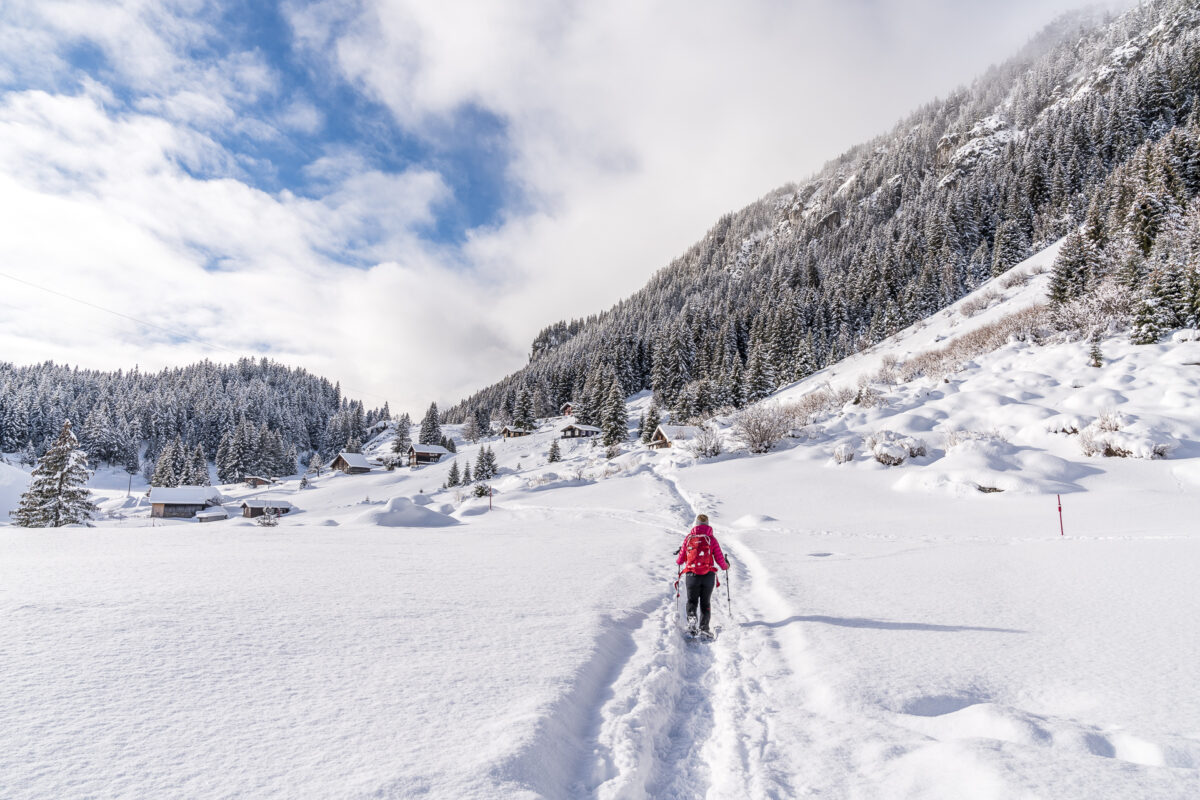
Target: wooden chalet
x=258 y=506
x=672 y=435
x=577 y=431
x=426 y=454
x=567 y=408
x=181 y=502
x=255 y=481
x=510 y=432
x=351 y=463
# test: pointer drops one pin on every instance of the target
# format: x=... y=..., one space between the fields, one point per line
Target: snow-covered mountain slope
x=884 y=631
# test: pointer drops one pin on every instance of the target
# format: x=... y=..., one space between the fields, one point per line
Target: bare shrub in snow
x=1065 y=424
x=843 y=453
x=957 y=437
x=805 y=410
x=892 y=448
x=762 y=426
x=1016 y=279
x=839 y=396
x=888 y=371
x=1107 y=437
x=707 y=443
x=1108 y=308
x=1025 y=325
x=868 y=397
x=981 y=302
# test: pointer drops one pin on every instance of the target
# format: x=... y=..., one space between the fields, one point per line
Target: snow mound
x=422 y=499
x=986 y=465
x=753 y=520
x=401 y=512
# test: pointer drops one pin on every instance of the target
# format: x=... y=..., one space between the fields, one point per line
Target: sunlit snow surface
x=895 y=632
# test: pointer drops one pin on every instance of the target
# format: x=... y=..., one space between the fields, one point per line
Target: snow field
x=896 y=631
x=317 y=662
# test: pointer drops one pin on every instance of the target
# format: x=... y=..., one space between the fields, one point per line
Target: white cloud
x=98 y=208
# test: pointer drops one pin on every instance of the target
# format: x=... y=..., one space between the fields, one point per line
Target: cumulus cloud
x=629 y=127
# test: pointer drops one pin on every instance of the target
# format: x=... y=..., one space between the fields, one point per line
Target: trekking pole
x=728 y=599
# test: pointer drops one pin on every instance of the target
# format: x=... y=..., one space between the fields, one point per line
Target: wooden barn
x=351 y=463
x=255 y=481
x=672 y=435
x=426 y=454
x=577 y=431
x=258 y=506
x=567 y=408
x=510 y=432
x=181 y=502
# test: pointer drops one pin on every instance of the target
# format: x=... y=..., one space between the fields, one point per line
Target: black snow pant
x=699 y=590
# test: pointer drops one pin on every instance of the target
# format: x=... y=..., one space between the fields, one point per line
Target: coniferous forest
x=1093 y=127
x=252 y=417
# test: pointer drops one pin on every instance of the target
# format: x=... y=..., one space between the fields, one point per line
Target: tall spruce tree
x=58 y=493
x=615 y=421
x=653 y=420
x=523 y=414
x=431 y=429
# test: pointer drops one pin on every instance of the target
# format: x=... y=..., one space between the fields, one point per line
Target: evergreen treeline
x=891 y=231
x=251 y=417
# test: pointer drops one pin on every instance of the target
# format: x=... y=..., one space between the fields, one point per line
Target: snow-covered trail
x=688 y=720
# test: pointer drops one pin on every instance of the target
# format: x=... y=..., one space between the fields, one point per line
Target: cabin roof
x=265 y=502
x=579 y=427
x=429 y=449
x=354 y=460
x=678 y=433
x=183 y=495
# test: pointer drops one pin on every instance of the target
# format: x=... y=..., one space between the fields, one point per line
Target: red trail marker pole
x=1060 y=524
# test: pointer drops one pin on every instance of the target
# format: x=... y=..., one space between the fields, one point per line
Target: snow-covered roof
x=430 y=449
x=679 y=433
x=515 y=429
x=354 y=460
x=183 y=495
x=213 y=513
x=265 y=502
x=579 y=427
x=258 y=478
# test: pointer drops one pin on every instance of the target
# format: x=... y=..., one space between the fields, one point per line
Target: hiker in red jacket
x=699 y=557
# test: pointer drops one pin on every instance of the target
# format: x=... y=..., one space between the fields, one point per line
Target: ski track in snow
x=688 y=720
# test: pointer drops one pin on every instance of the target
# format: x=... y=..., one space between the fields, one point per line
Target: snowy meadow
x=920 y=629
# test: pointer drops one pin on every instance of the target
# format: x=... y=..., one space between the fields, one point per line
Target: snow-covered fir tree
x=523 y=415
x=555 y=454
x=616 y=422
x=653 y=420
x=431 y=429
x=57 y=493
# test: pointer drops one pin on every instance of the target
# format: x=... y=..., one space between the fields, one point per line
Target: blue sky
x=399 y=194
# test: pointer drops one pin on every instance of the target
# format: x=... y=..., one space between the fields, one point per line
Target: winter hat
x=702 y=519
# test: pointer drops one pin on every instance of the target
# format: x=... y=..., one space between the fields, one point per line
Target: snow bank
x=401 y=512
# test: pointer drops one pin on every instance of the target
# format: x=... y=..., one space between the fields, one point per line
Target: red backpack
x=698 y=554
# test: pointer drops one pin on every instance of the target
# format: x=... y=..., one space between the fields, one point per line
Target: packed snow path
x=688 y=719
